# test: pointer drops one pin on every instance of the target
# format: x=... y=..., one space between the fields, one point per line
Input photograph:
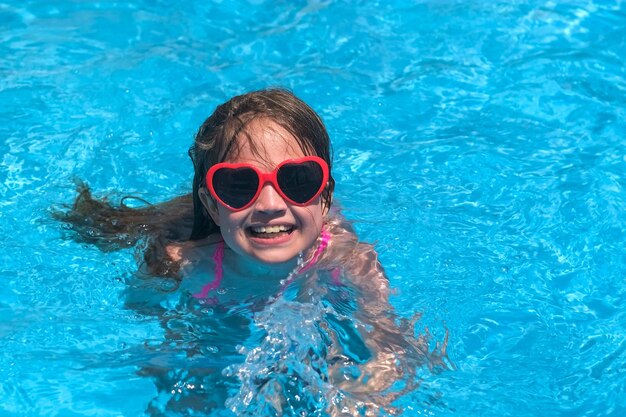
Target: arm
x=395 y=352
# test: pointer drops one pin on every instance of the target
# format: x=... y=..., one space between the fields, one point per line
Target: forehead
x=265 y=143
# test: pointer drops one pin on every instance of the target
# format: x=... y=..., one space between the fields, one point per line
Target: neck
x=252 y=268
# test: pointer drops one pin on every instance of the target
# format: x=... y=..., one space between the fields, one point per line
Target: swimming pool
x=480 y=145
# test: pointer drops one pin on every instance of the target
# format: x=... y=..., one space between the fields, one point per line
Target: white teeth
x=269 y=229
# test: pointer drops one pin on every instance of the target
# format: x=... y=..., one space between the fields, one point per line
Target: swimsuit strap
x=303 y=267
x=218 y=258
x=318 y=252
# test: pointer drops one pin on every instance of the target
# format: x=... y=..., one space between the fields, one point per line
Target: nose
x=269 y=201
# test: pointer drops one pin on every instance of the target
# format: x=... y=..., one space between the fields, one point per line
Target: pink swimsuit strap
x=218 y=258
x=325 y=239
x=301 y=268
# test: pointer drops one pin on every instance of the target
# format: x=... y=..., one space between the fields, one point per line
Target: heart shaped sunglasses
x=298 y=181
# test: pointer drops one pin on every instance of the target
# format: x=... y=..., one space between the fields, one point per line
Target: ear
x=209 y=204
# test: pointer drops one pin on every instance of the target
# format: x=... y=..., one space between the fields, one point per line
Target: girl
x=258 y=225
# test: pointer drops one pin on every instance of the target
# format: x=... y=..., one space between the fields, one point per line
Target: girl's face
x=271 y=230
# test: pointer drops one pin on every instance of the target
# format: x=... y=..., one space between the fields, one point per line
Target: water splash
x=311 y=361
x=286 y=373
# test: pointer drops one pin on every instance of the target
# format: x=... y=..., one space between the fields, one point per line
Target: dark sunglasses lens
x=300 y=182
x=235 y=187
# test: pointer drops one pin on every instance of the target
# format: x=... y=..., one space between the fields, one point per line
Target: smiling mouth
x=270 y=232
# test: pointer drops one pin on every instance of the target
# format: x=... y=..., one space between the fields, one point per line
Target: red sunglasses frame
x=268 y=177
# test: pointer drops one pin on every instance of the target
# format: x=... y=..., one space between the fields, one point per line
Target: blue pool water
x=479 y=145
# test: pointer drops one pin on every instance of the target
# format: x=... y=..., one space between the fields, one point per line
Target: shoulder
x=343 y=240
x=359 y=260
x=191 y=250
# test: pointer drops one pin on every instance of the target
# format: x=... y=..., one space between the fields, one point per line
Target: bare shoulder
x=191 y=250
x=359 y=259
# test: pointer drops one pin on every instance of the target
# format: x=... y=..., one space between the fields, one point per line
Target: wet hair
x=221 y=136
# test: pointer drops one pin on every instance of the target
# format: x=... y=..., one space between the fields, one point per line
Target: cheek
x=228 y=220
x=312 y=217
